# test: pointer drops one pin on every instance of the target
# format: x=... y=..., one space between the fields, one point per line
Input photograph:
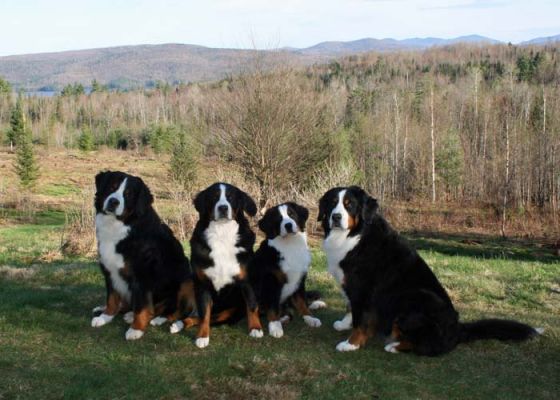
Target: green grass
x=48 y=349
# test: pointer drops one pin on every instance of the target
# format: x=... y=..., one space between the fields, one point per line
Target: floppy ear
x=369 y=208
x=323 y=205
x=248 y=204
x=145 y=198
x=200 y=202
x=302 y=212
x=264 y=225
x=101 y=179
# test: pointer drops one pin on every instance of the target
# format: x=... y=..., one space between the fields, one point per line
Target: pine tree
x=25 y=163
x=5 y=87
x=17 y=123
x=183 y=164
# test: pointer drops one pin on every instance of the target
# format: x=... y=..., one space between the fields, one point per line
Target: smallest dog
x=279 y=268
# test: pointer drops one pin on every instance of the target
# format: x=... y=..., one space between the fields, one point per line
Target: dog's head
x=283 y=220
x=121 y=195
x=346 y=208
x=222 y=201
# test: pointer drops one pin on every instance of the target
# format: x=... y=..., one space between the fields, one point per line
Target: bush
x=183 y=167
x=86 y=141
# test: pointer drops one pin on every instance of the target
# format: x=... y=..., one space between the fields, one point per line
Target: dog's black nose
x=289 y=227
x=112 y=204
x=336 y=217
x=223 y=209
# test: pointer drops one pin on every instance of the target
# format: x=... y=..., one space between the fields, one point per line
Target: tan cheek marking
x=352 y=221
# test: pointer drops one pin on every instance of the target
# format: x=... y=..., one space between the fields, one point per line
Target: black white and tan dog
x=390 y=288
x=279 y=268
x=145 y=268
x=221 y=249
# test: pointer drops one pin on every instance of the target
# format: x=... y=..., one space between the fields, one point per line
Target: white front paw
x=158 y=321
x=176 y=327
x=347 y=346
x=392 y=347
x=317 y=304
x=128 y=317
x=344 y=324
x=133 y=334
x=202 y=342
x=256 y=333
x=312 y=321
x=101 y=320
x=275 y=329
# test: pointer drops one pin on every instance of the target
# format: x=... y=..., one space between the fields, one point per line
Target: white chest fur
x=110 y=231
x=222 y=237
x=294 y=260
x=336 y=245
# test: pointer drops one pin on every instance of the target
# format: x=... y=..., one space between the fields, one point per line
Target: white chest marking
x=110 y=231
x=222 y=237
x=336 y=245
x=294 y=260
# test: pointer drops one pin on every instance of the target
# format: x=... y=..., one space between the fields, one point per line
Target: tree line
x=459 y=123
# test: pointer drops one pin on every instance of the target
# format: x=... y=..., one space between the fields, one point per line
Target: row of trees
x=458 y=123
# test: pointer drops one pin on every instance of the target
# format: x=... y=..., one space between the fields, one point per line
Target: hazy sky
x=31 y=26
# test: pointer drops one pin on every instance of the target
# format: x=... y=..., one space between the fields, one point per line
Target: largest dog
x=391 y=290
x=144 y=265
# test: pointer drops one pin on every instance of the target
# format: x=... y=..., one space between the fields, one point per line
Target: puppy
x=221 y=249
x=391 y=290
x=144 y=265
x=279 y=268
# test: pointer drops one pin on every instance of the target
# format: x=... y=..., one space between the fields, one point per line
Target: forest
x=464 y=125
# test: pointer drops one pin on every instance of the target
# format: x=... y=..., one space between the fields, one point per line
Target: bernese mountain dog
x=279 y=268
x=144 y=265
x=390 y=288
x=221 y=249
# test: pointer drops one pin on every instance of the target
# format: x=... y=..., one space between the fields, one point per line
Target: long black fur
x=389 y=285
x=234 y=295
x=156 y=265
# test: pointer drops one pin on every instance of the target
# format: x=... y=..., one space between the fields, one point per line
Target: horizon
x=252 y=24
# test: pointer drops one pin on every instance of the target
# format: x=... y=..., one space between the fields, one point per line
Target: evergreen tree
x=95 y=86
x=25 y=164
x=17 y=122
x=86 y=140
x=5 y=87
x=183 y=164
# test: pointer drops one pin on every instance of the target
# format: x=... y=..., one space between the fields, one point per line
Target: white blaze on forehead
x=340 y=209
x=283 y=209
x=119 y=195
x=222 y=202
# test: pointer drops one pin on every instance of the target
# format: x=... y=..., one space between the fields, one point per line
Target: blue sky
x=32 y=26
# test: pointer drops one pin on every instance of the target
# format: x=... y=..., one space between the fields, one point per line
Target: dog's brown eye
x=126 y=192
x=346 y=202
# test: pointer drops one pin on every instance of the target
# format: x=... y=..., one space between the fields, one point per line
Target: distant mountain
x=365 y=45
x=143 y=65
x=136 y=66
x=542 y=40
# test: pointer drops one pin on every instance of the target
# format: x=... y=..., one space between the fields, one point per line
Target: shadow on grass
x=481 y=246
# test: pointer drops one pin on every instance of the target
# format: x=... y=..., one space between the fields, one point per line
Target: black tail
x=500 y=329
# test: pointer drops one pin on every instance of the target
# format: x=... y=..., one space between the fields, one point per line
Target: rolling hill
x=142 y=65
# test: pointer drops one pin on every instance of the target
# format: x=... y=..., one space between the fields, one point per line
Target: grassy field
x=48 y=349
